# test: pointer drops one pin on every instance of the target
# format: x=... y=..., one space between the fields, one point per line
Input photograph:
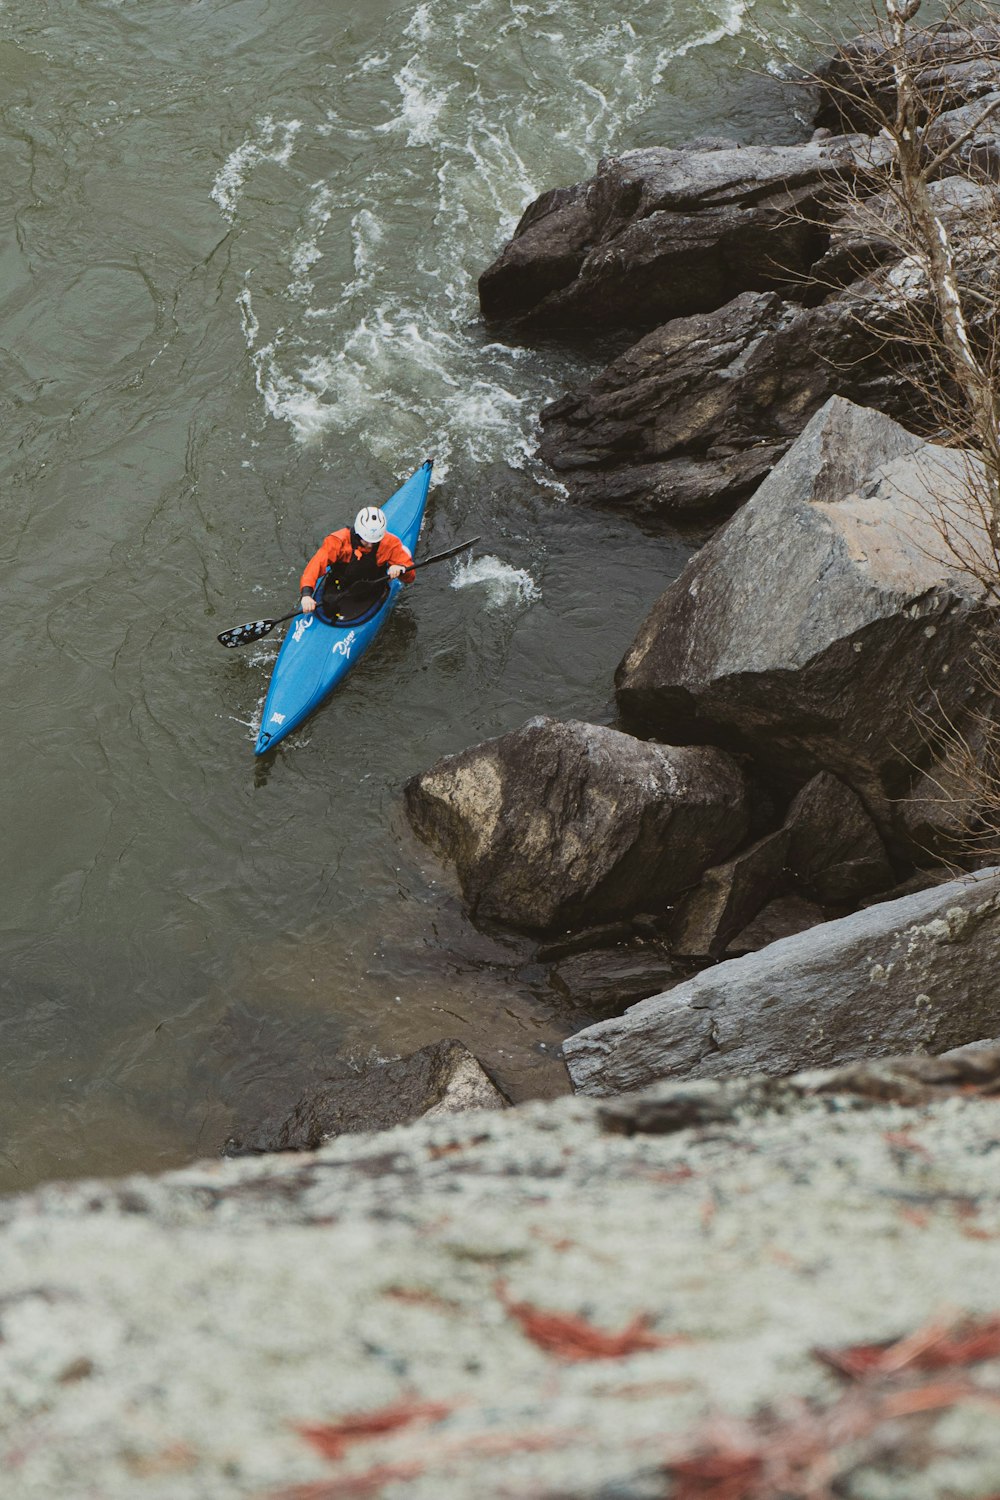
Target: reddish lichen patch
x=902 y=1140
x=332 y=1439
x=418 y=1296
x=937 y=1346
x=569 y=1337
x=804 y=1452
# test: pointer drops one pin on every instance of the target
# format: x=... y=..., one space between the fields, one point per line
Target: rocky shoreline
x=754 y=1255
x=792 y=711
x=797 y=715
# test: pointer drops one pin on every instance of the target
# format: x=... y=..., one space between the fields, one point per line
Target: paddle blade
x=241 y=635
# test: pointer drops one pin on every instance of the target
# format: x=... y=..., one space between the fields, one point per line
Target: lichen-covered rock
x=829 y=617
x=578 y=1299
x=561 y=825
x=903 y=976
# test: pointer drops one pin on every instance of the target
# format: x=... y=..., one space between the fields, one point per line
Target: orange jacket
x=337 y=548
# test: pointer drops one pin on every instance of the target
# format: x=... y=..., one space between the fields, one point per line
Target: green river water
x=240 y=241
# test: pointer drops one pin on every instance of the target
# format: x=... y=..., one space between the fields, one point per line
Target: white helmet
x=370 y=524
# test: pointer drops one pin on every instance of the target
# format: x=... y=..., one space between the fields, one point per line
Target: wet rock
x=727 y=899
x=661 y=233
x=834 y=852
x=606 y=982
x=442 y=1078
x=780 y=918
x=903 y=976
x=819 y=626
x=562 y=825
x=693 y=417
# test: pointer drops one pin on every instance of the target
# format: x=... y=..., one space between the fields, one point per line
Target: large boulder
x=692 y=417
x=695 y=415
x=918 y=974
x=661 y=233
x=831 y=619
x=559 y=825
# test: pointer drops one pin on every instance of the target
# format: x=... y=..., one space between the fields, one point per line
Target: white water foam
x=503 y=584
x=273 y=141
x=372 y=330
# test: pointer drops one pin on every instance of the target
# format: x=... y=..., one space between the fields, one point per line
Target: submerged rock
x=903 y=976
x=442 y=1078
x=562 y=825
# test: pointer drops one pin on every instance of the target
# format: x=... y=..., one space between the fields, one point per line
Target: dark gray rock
x=665 y=1108
x=952 y=811
x=729 y=896
x=950 y=65
x=662 y=233
x=606 y=982
x=902 y=976
x=818 y=626
x=834 y=851
x=696 y=414
x=562 y=825
x=783 y=917
x=442 y=1078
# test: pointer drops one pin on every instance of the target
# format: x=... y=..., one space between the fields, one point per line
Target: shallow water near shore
x=238 y=269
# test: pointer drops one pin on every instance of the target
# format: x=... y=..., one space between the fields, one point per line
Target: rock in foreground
x=560 y=825
x=549 y=1301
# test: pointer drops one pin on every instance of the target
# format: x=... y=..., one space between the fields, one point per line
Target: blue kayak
x=316 y=655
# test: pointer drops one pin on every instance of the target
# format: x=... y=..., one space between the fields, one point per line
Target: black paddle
x=255 y=630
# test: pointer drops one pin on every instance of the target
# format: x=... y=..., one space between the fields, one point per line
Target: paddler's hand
x=395 y=571
x=307 y=604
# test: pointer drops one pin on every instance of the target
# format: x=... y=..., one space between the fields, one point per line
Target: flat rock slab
x=545 y=1301
x=917 y=974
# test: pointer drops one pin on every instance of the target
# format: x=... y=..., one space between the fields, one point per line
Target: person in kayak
x=355 y=555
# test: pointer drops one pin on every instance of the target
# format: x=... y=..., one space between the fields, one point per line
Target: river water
x=240 y=243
